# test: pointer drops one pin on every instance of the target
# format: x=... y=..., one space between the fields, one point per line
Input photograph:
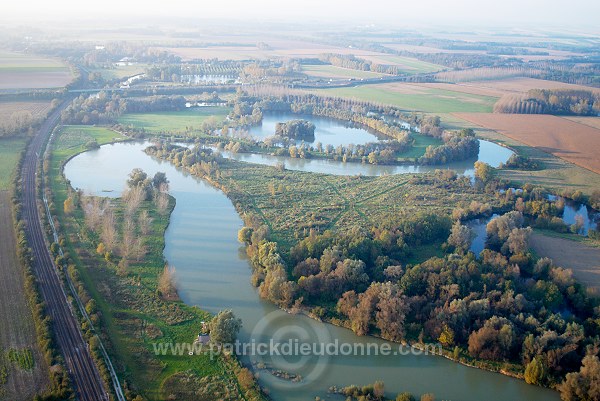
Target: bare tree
x=144 y=222
x=128 y=242
x=93 y=212
x=109 y=233
x=139 y=249
x=133 y=197
x=162 y=202
x=166 y=283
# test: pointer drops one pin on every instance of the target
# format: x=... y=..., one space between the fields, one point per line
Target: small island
x=296 y=129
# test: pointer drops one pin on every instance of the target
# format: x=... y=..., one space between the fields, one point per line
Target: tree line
x=551 y=101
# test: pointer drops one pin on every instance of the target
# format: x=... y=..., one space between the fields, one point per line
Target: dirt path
x=16 y=321
x=583 y=259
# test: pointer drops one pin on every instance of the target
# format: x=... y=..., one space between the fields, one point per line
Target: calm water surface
x=328 y=131
x=214 y=274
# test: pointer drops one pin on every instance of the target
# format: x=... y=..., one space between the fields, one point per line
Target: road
x=83 y=372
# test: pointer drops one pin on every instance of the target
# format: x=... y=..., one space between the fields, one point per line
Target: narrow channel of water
x=489 y=153
x=214 y=274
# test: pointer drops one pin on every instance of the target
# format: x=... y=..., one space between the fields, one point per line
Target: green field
x=10 y=152
x=174 y=121
x=412 y=65
x=120 y=72
x=429 y=100
x=330 y=71
x=421 y=143
x=18 y=62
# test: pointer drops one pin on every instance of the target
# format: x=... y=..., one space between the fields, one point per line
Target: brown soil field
x=34 y=79
x=464 y=88
x=37 y=109
x=522 y=85
x=591 y=121
x=571 y=141
x=27 y=71
x=17 y=328
x=584 y=260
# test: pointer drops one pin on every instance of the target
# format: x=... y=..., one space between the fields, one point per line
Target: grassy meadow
x=174 y=121
x=428 y=100
x=328 y=202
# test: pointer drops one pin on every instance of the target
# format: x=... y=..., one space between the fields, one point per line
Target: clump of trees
x=521 y=162
x=224 y=327
x=454 y=149
x=375 y=392
x=296 y=129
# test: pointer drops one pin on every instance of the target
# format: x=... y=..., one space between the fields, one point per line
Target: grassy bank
x=127 y=306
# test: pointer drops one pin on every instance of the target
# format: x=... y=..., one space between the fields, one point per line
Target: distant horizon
x=533 y=15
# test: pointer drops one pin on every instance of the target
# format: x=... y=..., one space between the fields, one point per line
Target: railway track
x=83 y=372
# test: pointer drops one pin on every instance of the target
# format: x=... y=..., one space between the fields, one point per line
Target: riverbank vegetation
x=113 y=254
x=345 y=253
x=375 y=392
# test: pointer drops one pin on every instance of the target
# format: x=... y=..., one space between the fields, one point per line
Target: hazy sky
x=572 y=13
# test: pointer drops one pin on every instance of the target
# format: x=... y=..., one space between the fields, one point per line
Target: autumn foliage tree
x=166 y=283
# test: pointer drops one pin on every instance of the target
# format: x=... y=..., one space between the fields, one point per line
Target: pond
x=588 y=216
x=328 y=131
x=574 y=211
x=214 y=273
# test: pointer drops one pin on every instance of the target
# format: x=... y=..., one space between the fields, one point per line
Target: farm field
x=522 y=85
x=23 y=71
x=120 y=72
x=175 y=121
x=557 y=174
x=417 y=98
x=407 y=64
x=576 y=143
x=10 y=152
x=330 y=71
x=583 y=259
x=37 y=109
x=246 y=48
x=501 y=87
x=20 y=380
x=590 y=121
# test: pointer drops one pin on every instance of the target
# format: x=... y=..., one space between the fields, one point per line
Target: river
x=213 y=273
